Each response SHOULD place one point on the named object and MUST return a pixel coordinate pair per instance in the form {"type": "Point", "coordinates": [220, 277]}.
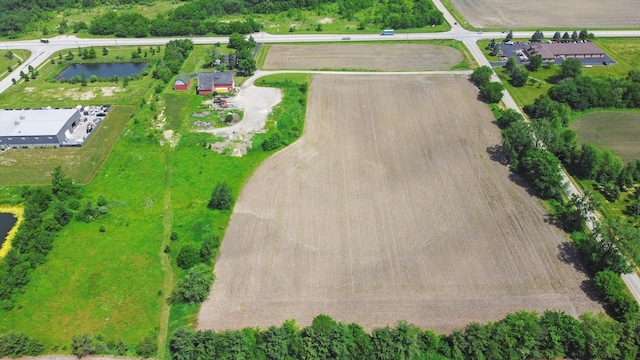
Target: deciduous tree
{"type": "Point", "coordinates": [221, 198]}
{"type": "Point", "coordinates": [492, 92]}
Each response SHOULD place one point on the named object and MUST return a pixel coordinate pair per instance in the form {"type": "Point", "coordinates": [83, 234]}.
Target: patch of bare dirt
{"type": "Point", "coordinates": [390, 207]}
{"type": "Point", "coordinates": [110, 90]}
{"type": "Point", "coordinates": [76, 94]}
{"type": "Point", "coordinates": [171, 138]}
{"type": "Point", "coordinates": [387, 57]}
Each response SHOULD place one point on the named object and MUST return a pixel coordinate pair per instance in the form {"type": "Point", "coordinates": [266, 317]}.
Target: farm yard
{"type": "Point", "coordinates": [616, 131]}
{"type": "Point", "coordinates": [384, 57]}
{"type": "Point", "coordinates": [392, 206]}
{"type": "Point", "coordinates": [548, 14]}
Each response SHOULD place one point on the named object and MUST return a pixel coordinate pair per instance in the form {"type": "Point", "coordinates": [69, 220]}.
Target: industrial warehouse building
{"type": "Point", "coordinates": [37, 127]}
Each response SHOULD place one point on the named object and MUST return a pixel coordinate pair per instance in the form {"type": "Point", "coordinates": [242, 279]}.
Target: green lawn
{"type": "Point", "coordinates": [536, 85]}
{"type": "Point", "coordinates": [625, 51]}
{"type": "Point", "coordinates": [6, 60]}
{"type": "Point", "coordinates": [618, 131]}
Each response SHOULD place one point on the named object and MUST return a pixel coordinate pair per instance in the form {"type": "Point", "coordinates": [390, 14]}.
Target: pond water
{"type": "Point", "coordinates": [6, 223]}
{"type": "Point", "coordinates": [102, 70]}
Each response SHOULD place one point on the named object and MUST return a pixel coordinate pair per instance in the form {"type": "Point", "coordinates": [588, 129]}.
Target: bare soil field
{"type": "Point", "coordinates": [549, 13]}
{"type": "Point", "coordinates": [386, 57]}
{"type": "Point", "coordinates": [390, 207]}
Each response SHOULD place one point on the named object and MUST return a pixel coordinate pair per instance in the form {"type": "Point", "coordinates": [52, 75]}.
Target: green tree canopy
{"type": "Point", "coordinates": [492, 92]}
{"type": "Point", "coordinates": [221, 198]}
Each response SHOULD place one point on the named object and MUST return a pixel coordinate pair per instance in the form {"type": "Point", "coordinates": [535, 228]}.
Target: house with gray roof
{"type": "Point", "coordinates": [550, 52]}
{"type": "Point", "coordinates": [219, 81]}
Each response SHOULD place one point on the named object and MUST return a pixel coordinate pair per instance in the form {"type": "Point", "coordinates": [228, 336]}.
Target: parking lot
{"type": "Point", "coordinates": [90, 118]}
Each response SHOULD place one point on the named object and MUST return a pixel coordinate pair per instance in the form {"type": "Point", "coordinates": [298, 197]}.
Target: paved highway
{"type": "Point", "coordinates": [40, 52]}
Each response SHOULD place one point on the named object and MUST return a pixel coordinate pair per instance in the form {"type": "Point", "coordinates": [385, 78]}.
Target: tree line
{"type": "Point", "coordinates": [201, 17]}
{"type": "Point", "coordinates": [535, 151]}
{"type": "Point", "coordinates": [520, 335]}
{"type": "Point", "coordinates": [175, 54]}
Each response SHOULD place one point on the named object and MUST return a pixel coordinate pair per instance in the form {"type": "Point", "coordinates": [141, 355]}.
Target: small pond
{"type": "Point", "coordinates": [6, 223]}
{"type": "Point", "coordinates": [102, 70]}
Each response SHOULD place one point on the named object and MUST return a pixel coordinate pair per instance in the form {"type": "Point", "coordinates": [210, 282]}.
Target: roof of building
{"type": "Point", "coordinates": [183, 78]}
{"type": "Point", "coordinates": [206, 80]}
{"type": "Point", "coordinates": [554, 50]}
{"type": "Point", "coordinates": [37, 122]}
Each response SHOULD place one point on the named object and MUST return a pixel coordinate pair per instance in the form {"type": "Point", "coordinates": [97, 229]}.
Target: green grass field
{"type": "Point", "coordinates": [618, 131]}
{"type": "Point", "coordinates": [19, 56]}
{"type": "Point", "coordinates": [103, 282]}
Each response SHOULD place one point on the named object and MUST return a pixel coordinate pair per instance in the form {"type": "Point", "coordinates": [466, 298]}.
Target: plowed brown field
{"type": "Point", "coordinates": [389, 208]}
{"type": "Point", "coordinates": [387, 57]}
{"type": "Point", "coordinates": [582, 14]}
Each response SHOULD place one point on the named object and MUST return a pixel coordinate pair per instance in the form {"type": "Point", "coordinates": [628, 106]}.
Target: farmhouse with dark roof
{"type": "Point", "coordinates": [209, 82]}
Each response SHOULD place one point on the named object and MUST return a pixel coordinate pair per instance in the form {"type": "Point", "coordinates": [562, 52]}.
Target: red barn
{"type": "Point", "coordinates": [209, 82]}
{"type": "Point", "coordinates": [182, 82]}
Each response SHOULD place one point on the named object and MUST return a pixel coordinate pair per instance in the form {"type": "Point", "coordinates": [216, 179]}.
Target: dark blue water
{"type": "Point", "coordinates": [6, 223]}
{"type": "Point", "coordinates": [103, 70]}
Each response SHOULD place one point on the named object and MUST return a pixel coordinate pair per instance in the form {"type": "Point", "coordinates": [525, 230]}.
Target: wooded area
{"type": "Point", "coordinates": [201, 17]}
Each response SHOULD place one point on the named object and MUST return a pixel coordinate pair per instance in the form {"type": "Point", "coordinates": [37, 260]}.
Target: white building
{"type": "Point", "coordinates": [36, 127]}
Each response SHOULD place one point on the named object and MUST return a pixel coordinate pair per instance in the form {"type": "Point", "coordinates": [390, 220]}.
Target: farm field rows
{"type": "Point", "coordinates": [548, 13]}
{"type": "Point", "coordinates": [386, 57]}
{"type": "Point", "coordinates": [612, 130]}
{"type": "Point", "coordinates": [391, 207]}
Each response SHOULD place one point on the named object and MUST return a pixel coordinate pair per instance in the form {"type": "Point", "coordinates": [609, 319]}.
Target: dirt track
{"type": "Point", "coordinates": [390, 208]}
{"type": "Point", "coordinates": [582, 14]}
{"type": "Point", "coordinates": [387, 57]}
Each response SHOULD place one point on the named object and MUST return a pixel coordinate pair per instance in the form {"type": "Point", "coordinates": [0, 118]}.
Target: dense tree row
{"type": "Point", "coordinates": [17, 344]}
{"type": "Point", "coordinates": [583, 92]}
{"type": "Point", "coordinates": [176, 53]}
{"type": "Point", "coordinates": [522, 335]}
{"type": "Point", "coordinates": [398, 14]}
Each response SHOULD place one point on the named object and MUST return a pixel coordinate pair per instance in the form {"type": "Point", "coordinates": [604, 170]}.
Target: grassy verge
{"type": "Point", "coordinates": [262, 55]}
{"type": "Point", "coordinates": [469, 62]}
{"type": "Point", "coordinates": [456, 15]}
{"type": "Point", "coordinates": [534, 87]}
{"type": "Point", "coordinates": [18, 57]}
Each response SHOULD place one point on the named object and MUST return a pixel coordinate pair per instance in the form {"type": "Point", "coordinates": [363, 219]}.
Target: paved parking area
{"type": "Point", "coordinates": [90, 118]}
